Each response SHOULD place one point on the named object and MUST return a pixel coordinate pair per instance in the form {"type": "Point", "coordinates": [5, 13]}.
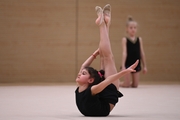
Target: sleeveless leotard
{"type": "Point", "coordinates": [133, 53]}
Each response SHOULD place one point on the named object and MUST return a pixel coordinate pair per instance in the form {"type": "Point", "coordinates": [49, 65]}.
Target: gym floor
{"type": "Point", "coordinates": [57, 102]}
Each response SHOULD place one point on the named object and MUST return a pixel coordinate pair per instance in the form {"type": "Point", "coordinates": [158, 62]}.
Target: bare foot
{"type": "Point", "coordinates": [124, 85]}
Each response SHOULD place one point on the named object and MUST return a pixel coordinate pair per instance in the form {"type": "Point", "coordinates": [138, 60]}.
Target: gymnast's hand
{"type": "Point", "coordinates": [96, 53]}
{"type": "Point", "coordinates": [133, 66]}
{"type": "Point", "coordinates": [144, 70]}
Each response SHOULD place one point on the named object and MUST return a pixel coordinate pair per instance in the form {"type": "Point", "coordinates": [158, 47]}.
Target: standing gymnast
{"type": "Point", "coordinates": [132, 50]}
{"type": "Point", "coordinates": [97, 92]}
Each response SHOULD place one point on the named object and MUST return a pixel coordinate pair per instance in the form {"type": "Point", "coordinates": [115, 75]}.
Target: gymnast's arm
{"type": "Point", "coordinates": [124, 52]}
{"type": "Point", "coordinates": [101, 86]}
{"type": "Point", "coordinates": [89, 60]}
{"type": "Point", "coordinates": [143, 58]}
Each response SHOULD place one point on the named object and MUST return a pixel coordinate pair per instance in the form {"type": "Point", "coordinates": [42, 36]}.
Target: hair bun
{"type": "Point", "coordinates": [102, 72]}
{"type": "Point", "coordinates": [130, 18]}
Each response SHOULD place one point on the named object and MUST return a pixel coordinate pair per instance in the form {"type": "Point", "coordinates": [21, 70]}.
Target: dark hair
{"type": "Point", "coordinates": [97, 75]}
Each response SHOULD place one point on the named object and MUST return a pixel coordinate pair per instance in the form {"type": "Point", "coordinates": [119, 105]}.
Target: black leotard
{"type": "Point", "coordinates": [97, 105]}
{"type": "Point", "coordinates": [133, 53]}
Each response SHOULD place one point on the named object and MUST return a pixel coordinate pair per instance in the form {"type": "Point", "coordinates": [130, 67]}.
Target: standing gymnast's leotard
{"type": "Point", "coordinates": [133, 53]}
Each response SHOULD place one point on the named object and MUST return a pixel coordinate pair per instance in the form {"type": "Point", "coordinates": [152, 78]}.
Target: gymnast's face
{"type": "Point", "coordinates": [132, 28]}
{"type": "Point", "coordinates": [83, 77]}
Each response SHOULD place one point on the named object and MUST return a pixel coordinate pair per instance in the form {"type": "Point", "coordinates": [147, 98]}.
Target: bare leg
{"type": "Point", "coordinates": [102, 63]}
{"type": "Point", "coordinates": [105, 50]}
{"type": "Point", "coordinates": [127, 81]}
{"type": "Point", "coordinates": [135, 79]}
{"type": "Point", "coordinates": [107, 17]}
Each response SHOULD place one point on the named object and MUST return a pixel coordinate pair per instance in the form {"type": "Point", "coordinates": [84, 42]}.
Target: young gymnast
{"type": "Point", "coordinates": [132, 50]}
{"type": "Point", "coordinates": [97, 92]}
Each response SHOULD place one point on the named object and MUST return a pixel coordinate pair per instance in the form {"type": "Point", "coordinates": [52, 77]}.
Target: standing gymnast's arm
{"type": "Point", "coordinates": [143, 58]}
{"type": "Point", "coordinates": [99, 87]}
{"type": "Point", "coordinates": [124, 53]}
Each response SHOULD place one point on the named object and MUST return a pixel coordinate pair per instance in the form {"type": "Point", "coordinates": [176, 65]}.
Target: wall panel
{"type": "Point", "coordinates": [37, 40]}
{"type": "Point", "coordinates": [47, 41]}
